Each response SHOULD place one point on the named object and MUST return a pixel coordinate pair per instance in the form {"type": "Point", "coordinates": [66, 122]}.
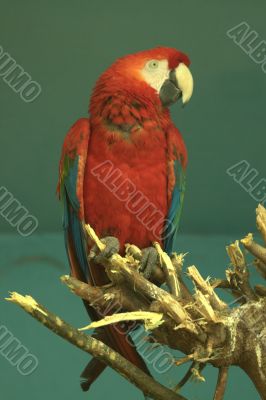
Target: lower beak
{"type": "Point", "coordinates": [178, 85]}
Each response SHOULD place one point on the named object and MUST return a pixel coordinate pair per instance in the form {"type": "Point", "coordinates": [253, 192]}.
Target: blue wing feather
{"type": "Point", "coordinates": [77, 234]}
{"type": "Point", "coordinates": [71, 221]}
{"type": "Point", "coordinates": [70, 183]}
{"type": "Point", "coordinates": [173, 217]}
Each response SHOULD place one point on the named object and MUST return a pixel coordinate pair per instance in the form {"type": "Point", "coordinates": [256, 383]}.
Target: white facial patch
{"type": "Point", "coordinates": [155, 73]}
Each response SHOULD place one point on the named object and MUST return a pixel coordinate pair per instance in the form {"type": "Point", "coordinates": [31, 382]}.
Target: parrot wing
{"type": "Point", "coordinates": [177, 159]}
{"type": "Point", "coordinates": [70, 190]}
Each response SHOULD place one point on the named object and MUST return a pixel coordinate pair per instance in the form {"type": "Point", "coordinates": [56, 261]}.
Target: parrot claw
{"type": "Point", "coordinates": [111, 248]}
{"type": "Point", "coordinates": [149, 261]}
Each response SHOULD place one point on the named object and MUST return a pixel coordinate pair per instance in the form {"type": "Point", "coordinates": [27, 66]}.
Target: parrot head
{"type": "Point", "coordinates": [159, 75]}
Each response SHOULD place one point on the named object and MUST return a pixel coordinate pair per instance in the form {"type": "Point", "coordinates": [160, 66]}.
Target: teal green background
{"type": "Point", "coordinates": [65, 45]}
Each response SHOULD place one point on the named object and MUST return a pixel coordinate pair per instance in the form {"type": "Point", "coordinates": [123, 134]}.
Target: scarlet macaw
{"type": "Point", "coordinates": [123, 170]}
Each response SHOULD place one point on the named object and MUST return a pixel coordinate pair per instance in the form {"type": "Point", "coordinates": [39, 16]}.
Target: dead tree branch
{"type": "Point", "coordinates": [197, 322]}
{"type": "Point", "coordinates": [221, 383]}
{"type": "Point", "coordinates": [94, 347]}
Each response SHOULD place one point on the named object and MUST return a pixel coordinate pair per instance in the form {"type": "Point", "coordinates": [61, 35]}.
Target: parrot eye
{"type": "Point", "coordinates": [153, 64]}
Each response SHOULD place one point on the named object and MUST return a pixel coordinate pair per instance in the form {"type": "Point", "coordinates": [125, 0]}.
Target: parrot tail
{"type": "Point", "coordinates": [113, 336]}
{"type": "Point", "coordinates": [91, 373]}
{"type": "Point", "coordinates": [123, 345]}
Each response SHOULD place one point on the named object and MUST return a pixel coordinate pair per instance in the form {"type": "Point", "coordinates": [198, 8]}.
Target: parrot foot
{"type": "Point", "coordinates": [149, 262]}
{"type": "Point", "coordinates": [112, 247]}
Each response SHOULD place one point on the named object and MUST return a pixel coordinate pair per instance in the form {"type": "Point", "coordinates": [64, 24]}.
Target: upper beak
{"type": "Point", "coordinates": [184, 81]}
{"type": "Point", "coordinates": [179, 84]}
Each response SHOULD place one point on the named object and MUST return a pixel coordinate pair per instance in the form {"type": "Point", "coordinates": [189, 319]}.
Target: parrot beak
{"type": "Point", "coordinates": [179, 85]}
{"type": "Point", "coordinates": [184, 81]}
